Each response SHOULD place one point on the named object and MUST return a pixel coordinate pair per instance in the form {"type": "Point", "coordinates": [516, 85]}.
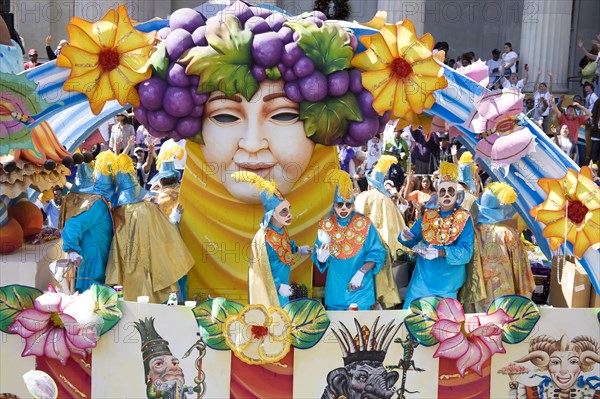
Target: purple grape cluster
{"type": "Point", "coordinates": [173, 108]}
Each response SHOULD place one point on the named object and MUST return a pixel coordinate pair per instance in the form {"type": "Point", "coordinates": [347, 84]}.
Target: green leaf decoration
{"type": "Point", "coordinates": [273, 73]}
{"type": "Point", "coordinates": [106, 305]}
{"type": "Point", "coordinates": [525, 315]}
{"type": "Point", "coordinates": [309, 322]}
{"type": "Point", "coordinates": [226, 63]}
{"type": "Point", "coordinates": [13, 300]}
{"type": "Point", "coordinates": [160, 61]}
{"type": "Point", "coordinates": [328, 120]}
{"type": "Point", "coordinates": [328, 47]}
{"type": "Point", "coordinates": [210, 316]}
{"type": "Point", "coordinates": [422, 319]}
{"type": "Point", "coordinates": [20, 95]}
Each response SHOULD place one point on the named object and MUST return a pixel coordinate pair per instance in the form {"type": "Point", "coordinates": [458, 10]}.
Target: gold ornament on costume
{"type": "Point", "coordinates": [342, 180]}
{"type": "Point", "coordinates": [443, 231]}
{"type": "Point", "coordinates": [282, 246]}
{"type": "Point", "coordinates": [107, 59]}
{"type": "Point", "coordinates": [347, 241]}
{"type": "Point", "coordinates": [448, 171]}
{"type": "Point", "coordinates": [571, 211]}
{"type": "Point", "coordinates": [400, 71]}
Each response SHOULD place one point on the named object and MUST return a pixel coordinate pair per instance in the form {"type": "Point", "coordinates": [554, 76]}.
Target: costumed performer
{"type": "Point", "coordinates": [377, 205]}
{"type": "Point", "coordinates": [506, 267]}
{"type": "Point", "coordinates": [87, 230]}
{"type": "Point", "coordinates": [147, 256]}
{"type": "Point", "coordinates": [443, 241]}
{"type": "Point", "coordinates": [272, 253]}
{"type": "Point", "coordinates": [349, 248]}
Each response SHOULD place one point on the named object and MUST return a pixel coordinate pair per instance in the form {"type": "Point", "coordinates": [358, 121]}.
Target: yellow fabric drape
{"type": "Point", "coordinates": [218, 229]}
{"type": "Point", "coordinates": [385, 216]}
{"type": "Point", "coordinates": [261, 286]}
{"type": "Point", "coordinates": [147, 255]}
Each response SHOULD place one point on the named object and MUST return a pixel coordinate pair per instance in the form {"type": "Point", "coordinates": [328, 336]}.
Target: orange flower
{"type": "Point", "coordinates": [571, 211]}
{"type": "Point", "coordinates": [107, 59]}
{"type": "Point", "coordinates": [400, 71]}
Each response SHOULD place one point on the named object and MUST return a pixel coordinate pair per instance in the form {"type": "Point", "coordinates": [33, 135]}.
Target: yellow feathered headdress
{"type": "Point", "coordinates": [504, 192]}
{"type": "Point", "coordinates": [343, 182]}
{"type": "Point", "coordinates": [104, 163]}
{"type": "Point", "coordinates": [448, 171]}
{"type": "Point", "coordinates": [123, 164]}
{"type": "Point", "coordinates": [269, 193]}
{"type": "Point", "coordinates": [175, 152]}
{"type": "Point", "coordinates": [384, 163]}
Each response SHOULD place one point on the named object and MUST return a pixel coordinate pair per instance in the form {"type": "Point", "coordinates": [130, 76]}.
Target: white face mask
{"type": "Point", "coordinates": [447, 195]}
{"type": "Point", "coordinates": [283, 214]}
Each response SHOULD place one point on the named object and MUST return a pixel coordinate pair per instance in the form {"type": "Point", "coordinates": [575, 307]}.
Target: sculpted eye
{"type": "Point", "coordinates": [362, 378]}
{"type": "Point", "coordinates": [286, 116]}
{"type": "Point", "coordinates": [225, 118]}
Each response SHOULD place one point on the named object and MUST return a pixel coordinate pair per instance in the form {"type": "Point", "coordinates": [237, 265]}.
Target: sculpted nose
{"type": "Point", "coordinates": [254, 140]}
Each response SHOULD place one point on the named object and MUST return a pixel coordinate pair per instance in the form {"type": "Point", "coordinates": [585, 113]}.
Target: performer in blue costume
{"type": "Point", "coordinates": [443, 241]}
{"type": "Point", "coordinates": [88, 228]}
{"type": "Point", "coordinates": [272, 253]}
{"type": "Point", "coordinates": [349, 247]}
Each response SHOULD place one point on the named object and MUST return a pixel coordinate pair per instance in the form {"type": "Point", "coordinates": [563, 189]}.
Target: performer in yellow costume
{"type": "Point", "coordinates": [147, 256]}
{"type": "Point", "coordinates": [504, 259]}
{"type": "Point", "coordinates": [272, 253]}
{"type": "Point", "coordinates": [376, 204]}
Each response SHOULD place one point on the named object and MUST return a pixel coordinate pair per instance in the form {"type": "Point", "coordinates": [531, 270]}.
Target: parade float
{"type": "Point", "coordinates": [200, 77]}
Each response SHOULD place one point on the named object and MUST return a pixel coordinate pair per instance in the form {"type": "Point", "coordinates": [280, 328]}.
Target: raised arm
{"type": "Point", "coordinates": [555, 108]}
{"type": "Point", "coordinates": [526, 78]}
{"type": "Point", "coordinates": [586, 111]}
{"type": "Point", "coordinates": [550, 75]}
{"type": "Point", "coordinates": [584, 50]}
{"type": "Point", "coordinates": [537, 79]}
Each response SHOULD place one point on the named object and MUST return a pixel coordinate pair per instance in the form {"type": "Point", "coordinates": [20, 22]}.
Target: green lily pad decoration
{"type": "Point", "coordinates": [159, 61]}
{"type": "Point", "coordinates": [422, 319]}
{"type": "Point", "coordinates": [525, 315]}
{"type": "Point", "coordinates": [328, 47]}
{"type": "Point", "coordinates": [210, 316]}
{"type": "Point", "coordinates": [226, 63]}
{"type": "Point", "coordinates": [106, 305]}
{"type": "Point", "coordinates": [328, 120]}
{"type": "Point", "coordinates": [309, 322]}
{"type": "Point", "coordinates": [13, 300]}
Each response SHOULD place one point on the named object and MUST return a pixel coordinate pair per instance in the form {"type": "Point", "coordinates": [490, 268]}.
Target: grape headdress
{"type": "Point", "coordinates": [241, 46]}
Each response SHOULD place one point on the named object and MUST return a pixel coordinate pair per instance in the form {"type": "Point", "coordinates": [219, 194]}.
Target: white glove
{"type": "Point", "coordinates": [175, 215]}
{"type": "Point", "coordinates": [304, 250]}
{"type": "Point", "coordinates": [406, 234]}
{"type": "Point", "coordinates": [74, 258]}
{"type": "Point", "coordinates": [322, 253]}
{"type": "Point", "coordinates": [402, 155]}
{"type": "Point", "coordinates": [430, 253]}
{"type": "Point", "coordinates": [285, 290]}
{"type": "Point", "coordinates": [356, 281]}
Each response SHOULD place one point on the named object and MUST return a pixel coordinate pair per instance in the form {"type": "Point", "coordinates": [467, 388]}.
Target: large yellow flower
{"type": "Point", "coordinates": [400, 71]}
{"type": "Point", "coordinates": [107, 59]}
{"type": "Point", "coordinates": [258, 335]}
{"type": "Point", "coordinates": [571, 210]}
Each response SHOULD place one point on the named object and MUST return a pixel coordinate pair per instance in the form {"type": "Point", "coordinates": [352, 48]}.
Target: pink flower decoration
{"type": "Point", "coordinates": [55, 327]}
{"type": "Point", "coordinates": [470, 342]}
{"type": "Point", "coordinates": [478, 71]}
{"type": "Point", "coordinates": [503, 140]}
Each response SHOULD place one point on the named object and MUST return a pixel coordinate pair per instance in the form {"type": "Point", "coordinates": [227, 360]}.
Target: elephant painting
{"type": "Point", "coordinates": [363, 375]}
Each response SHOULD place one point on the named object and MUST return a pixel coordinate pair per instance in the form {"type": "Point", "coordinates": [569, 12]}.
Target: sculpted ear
{"type": "Point", "coordinates": [339, 381]}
